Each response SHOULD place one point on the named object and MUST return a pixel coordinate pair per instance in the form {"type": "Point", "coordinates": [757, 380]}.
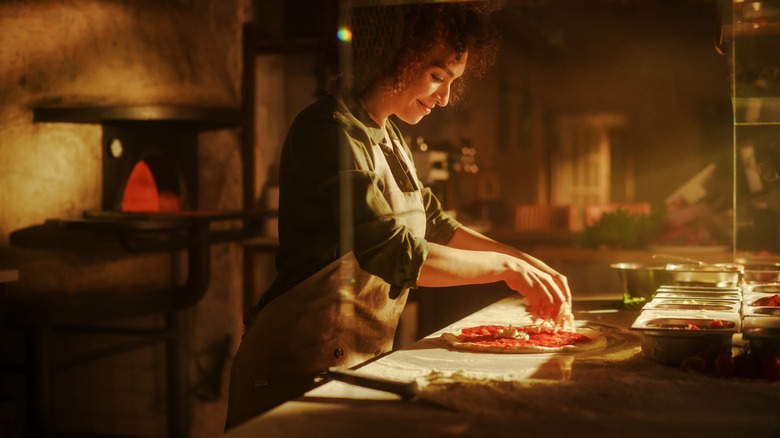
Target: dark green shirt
{"type": "Point", "coordinates": [311, 176]}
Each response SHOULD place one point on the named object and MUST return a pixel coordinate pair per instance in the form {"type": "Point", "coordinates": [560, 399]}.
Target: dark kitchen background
{"type": "Point", "coordinates": [595, 107]}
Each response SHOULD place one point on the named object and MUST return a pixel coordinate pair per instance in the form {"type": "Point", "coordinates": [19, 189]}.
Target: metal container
{"type": "Point", "coordinates": [640, 281]}
{"type": "Point", "coordinates": [762, 311]}
{"type": "Point", "coordinates": [699, 294]}
{"type": "Point", "coordinates": [760, 304]}
{"type": "Point", "coordinates": [678, 288]}
{"type": "Point", "coordinates": [714, 275]}
{"type": "Point", "coordinates": [690, 305]}
{"type": "Point", "coordinates": [768, 288]}
{"type": "Point", "coordinates": [761, 273]}
{"type": "Point", "coordinates": [762, 333]}
{"type": "Point", "coordinates": [669, 337]}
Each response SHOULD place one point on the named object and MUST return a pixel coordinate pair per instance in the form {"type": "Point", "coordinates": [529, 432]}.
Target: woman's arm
{"type": "Point", "coordinates": [472, 258]}
{"type": "Point", "coordinates": [466, 238]}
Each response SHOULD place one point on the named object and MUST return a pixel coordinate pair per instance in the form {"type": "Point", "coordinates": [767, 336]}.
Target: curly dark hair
{"type": "Point", "coordinates": [392, 42]}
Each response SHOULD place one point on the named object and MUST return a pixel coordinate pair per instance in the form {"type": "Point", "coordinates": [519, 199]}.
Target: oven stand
{"type": "Point", "coordinates": [44, 315]}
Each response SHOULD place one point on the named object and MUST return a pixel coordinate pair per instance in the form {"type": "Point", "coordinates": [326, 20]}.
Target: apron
{"type": "Point", "coordinates": [341, 316]}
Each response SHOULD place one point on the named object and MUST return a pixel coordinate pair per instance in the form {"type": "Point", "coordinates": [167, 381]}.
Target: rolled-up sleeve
{"type": "Point", "coordinates": [440, 226]}
{"type": "Point", "coordinates": [382, 246]}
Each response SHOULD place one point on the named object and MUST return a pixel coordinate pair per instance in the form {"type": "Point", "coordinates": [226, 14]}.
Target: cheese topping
{"type": "Point", "coordinates": [512, 333]}
{"type": "Point", "coordinates": [563, 321]}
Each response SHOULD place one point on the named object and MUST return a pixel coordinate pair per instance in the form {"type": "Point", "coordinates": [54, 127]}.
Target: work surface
{"type": "Point", "coordinates": [612, 392]}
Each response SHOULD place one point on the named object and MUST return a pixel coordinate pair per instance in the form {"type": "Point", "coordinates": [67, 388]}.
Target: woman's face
{"type": "Point", "coordinates": [429, 87]}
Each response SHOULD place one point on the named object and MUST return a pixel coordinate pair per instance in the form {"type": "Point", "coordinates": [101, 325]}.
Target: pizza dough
{"type": "Point", "coordinates": [524, 339]}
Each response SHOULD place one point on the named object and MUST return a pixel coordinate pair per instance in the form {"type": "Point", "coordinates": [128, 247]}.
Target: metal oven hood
{"type": "Point", "coordinates": [199, 118]}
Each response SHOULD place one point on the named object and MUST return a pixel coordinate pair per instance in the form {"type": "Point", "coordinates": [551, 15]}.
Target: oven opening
{"type": "Point", "coordinates": [149, 168]}
{"type": "Point", "coordinates": [153, 186]}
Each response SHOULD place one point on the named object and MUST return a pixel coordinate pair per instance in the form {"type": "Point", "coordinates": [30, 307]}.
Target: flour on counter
{"type": "Point", "coordinates": [608, 397]}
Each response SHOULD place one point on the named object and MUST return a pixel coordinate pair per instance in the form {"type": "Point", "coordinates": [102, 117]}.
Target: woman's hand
{"type": "Point", "coordinates": [537, 276]}
{"type": "Point", "coordinates": [471, 258]}
{"type": "Point", "coordinates": [546, 291]}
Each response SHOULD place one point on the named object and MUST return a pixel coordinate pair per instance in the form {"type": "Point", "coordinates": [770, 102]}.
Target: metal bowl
{"type": "Point", "coordinates": [670, 337]}
{"type": "Point", "coordinates": [673, 348]}
{"type": "Point", "coordinates": [640, 281]}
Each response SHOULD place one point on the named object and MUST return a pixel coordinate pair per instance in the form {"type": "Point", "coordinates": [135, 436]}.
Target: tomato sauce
{"type": "Point", "coordinates": [489, 335]}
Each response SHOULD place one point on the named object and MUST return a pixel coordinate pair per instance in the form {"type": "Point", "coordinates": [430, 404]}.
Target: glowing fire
{"type": "Point", "coordinates": [142, 195]}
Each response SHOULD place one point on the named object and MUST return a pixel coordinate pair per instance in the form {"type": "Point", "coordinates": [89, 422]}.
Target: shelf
{"type": "Point", "coordinates": [205, 118]}
{"type": "Point", "coordinates": [286, 47]}
{"type": "Point", "coordinates": [752, 29]}
{"type": "Point", "coordinates": [751, 111]}
{"type": "Point", "coordinates": [262, 243]}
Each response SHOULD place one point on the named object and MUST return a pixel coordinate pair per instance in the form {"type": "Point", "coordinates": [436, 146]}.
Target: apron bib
{"type": "Point", "coordinates": [340, 316]}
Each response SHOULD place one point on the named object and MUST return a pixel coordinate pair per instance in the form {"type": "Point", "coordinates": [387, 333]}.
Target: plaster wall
{"type": "Point", "coordinates": [95, 53]}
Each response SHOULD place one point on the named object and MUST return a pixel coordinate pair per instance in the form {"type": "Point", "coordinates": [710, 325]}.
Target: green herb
{"type": "Point", "coordinates": [622, 230]}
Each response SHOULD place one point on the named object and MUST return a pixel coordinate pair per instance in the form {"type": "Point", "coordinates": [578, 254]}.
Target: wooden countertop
{"type": "Point", "coordinates": [612, 393]}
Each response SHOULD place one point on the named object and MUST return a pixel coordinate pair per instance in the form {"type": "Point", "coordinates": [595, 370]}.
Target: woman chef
{"type": "Point", "coordinates": [339, 294]}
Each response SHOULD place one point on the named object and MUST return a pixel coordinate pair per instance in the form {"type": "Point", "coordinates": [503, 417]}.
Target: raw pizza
{"type": "Point", "coordinates": [523, 339]}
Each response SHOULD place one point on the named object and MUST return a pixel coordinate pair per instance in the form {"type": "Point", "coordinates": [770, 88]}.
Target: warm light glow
{"type": "Point", "coordinates": [116, 148]}
{"type": "Point", "coordinates": [150, 188]}
{"type": "Point", "coordinates": [344, 34]}
{"type": "Point", "coordinates": [141, 190]}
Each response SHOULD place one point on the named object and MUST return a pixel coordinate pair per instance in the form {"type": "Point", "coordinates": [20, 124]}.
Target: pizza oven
{"type": "Point", "coordinates": [149, 168]}
{"type": "Point", "coordinates": [149, 153]}
{"type": "Point", "coordinates": [124, 271]}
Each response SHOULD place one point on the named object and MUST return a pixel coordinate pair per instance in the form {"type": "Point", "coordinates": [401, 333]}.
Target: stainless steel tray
{"type": "Point", "coordinates": [761, 331]}
{"type": "Point", "coordinates": [691, 305]}
{"type": "Point", "coordinates": [687, 324]}
{"type": "Point", "coordinates": [714, 275]}
{"type": "Point", "coordinates": [683, 288]}
{"type": "Point", "coordinates": [730, 296]}
{"type": "Point", "coordinates": [765, 288]}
